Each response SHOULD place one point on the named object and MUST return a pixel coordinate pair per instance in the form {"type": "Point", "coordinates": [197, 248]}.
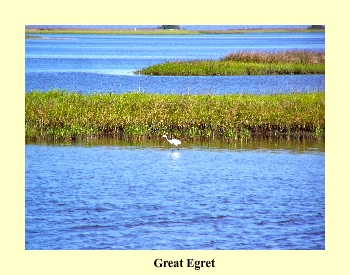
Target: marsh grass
{"type": "Point", "coordinates": [113, 31]}
{"type": "Point", "coordinates": [33, 37]}
{"type": "Point", "coordinates": [285, 57]}
{"type": "Point", "coordinates": [245, 63]}
{"type": "Point", "coordinates": [61, 115]}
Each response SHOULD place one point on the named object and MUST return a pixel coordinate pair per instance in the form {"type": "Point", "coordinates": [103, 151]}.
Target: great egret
{"type": "Point", "coordinates": [173, 141]}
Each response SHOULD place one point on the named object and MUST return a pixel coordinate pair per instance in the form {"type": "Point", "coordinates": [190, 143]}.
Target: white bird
{"type": "Point", "coordinates": [173, 141]}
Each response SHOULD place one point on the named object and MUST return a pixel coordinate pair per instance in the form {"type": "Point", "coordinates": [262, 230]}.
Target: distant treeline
{"type": "Point", "coordinates": [316, 27]}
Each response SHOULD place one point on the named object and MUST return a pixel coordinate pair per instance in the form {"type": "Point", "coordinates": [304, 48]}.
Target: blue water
{"type": "Point", "coordinates": [153, 197]}
{"type": "Point", "coordinates": [105, 63]}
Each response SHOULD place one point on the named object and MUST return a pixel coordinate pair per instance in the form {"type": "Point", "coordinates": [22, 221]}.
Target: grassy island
{"type": "Point", "coordinates": [62, 115]}
{"type": "Point", "coordinates": [245, 63]}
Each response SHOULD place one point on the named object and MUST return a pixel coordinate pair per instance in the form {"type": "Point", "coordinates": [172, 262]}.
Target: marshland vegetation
{"type": "Point", "coordinates": [245, 63]}
{"type": "Point", "coordinates": [110, 31]}
{"type": "Point", "coordinates": [63, 115]}
{"type": "Point", "coordinates": [159, 31]}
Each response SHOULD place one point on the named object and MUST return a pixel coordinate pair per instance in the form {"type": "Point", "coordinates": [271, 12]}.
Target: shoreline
{"type": "Point", "coordinates": [161, 32]}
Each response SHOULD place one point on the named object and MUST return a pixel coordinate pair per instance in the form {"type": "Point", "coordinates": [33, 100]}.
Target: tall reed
{"type": "Point", "coordinates": [59, 115]}
{"type": "Point", "coordinates": [289, 56]}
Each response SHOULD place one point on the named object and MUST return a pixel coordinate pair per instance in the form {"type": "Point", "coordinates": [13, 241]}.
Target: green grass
{"type": "Point", "coordinates": [33, 37]}
{"type": "Point", "coordinates": [61, 115]}
{"type": "Point", "coordinates": [245, 63]}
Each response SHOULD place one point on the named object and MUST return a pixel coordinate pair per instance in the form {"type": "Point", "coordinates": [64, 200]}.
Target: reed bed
{"type": "Point", "coordinates": [62, 115]}
{"type": "Point", "coordinates": [245, 63]}
{"type": "Point", "coordinates": [288, 57]}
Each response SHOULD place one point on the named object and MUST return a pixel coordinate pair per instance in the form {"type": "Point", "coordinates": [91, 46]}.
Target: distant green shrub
{"type": "Point", "coordinates": [169, 27]}
{"type": "Point", "coordinates": [316, 27]}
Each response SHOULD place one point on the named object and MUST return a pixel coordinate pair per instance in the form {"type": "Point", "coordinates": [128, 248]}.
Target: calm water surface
{"type": "Point", "coordinates": [104, 63]}
{"type": "Point", "coordinates": [147, 196]}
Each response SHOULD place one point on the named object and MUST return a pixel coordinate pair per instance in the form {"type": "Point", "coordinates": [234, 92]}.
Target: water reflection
{"type": "Point", "coordinates": [297, 146]}
{"type": "Point", "coordinates": [175, 155]}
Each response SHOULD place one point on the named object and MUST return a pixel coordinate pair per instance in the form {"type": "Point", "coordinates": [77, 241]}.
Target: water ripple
{"type": "Point", "coordinates": [97, 198]}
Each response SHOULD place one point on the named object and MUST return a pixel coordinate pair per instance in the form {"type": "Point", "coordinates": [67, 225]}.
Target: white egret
{"type": "Point", "coordinates": [173, 141]}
